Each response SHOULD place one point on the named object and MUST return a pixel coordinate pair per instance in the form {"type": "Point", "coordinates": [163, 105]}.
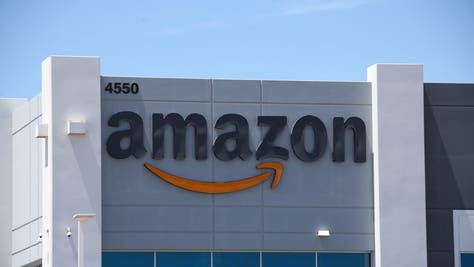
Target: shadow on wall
{"type": "Point", "coordinates": [449, 166]}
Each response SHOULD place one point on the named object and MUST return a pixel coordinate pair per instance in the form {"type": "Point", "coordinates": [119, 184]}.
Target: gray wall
{"type": "Point", "coordinates": [449, 153]}
{"type": "Point", "coordinates": [26, 187]}
{"type": "Point", "coordinates": [140, 211]}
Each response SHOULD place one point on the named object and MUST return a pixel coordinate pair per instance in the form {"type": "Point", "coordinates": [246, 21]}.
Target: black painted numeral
{"type": "Point", "coordinates": [134, 88]}
{"type": "Point", "coordinates": [108, 88]}
{"type": "Point", "coordinates": [122, 88]}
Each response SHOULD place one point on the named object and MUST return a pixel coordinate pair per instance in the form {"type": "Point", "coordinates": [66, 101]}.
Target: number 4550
{"type": "Point", "coordinates": [122, 88]}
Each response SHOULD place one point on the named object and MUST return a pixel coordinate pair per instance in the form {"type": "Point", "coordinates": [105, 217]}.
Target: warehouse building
{"type": "Point", "coordinates": [156, 172]}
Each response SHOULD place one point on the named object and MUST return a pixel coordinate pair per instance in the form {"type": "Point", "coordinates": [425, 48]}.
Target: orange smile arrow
{"type": "Point", "coordinates": [221, 187]}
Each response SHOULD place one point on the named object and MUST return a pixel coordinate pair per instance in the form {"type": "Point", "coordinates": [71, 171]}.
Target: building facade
{"type": "Point", "coordinates": [146, 172]}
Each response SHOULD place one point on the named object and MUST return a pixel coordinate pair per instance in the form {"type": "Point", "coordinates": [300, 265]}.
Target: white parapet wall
{"type": "Point", "coordinates": [7, 106]}
{"type": "Point", "coordinates": [399, 166]}
{"type": "Point", "coordinates": [72, 168]}
{"type": "Point", "coordinates": [26, 180]}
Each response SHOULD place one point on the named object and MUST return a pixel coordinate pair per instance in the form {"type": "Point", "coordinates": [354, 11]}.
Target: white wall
{"type": "Point", "coordinates": [72, 169]}
{"type": "Point", "coordinates": [6, 108]}
{"type": "Point", "coordinates": [399, 165]}
{"type": "Point", "coordinates": [26, 181]}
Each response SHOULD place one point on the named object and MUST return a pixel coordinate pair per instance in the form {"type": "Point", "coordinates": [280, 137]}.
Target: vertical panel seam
{"type": "Point", "coordinates": [212, 171]}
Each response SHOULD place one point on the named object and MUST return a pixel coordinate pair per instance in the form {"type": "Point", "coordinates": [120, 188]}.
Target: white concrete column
{"type": "Point", "coordinates": [72, 167]}
{"type": "Point", "coordinates": [399, 165]}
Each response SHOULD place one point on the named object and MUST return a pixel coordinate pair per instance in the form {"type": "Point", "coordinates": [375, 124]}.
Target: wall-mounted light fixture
{"type": "Point", "coordinates": [76, 128]}
{"type": "Point", "coordinates": [68, 232]}
{"type": "Point", "coordinates": [41, 130]}
{"type": "Point", "coordinates": [323, 233]}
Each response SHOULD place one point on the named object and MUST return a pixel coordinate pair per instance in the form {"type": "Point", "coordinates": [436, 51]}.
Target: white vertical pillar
{"type": "Point", "coordinates": [72, 167]}
{"type": "Point", "coordinates": [80, 244]}
{"type": "Point", "coordinates": [81, 219]}
{"type": "Point", "coordinates": [399, 166]}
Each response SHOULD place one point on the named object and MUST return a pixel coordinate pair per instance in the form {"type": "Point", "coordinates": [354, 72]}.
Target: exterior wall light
{"type": "Point", "coordinates": [68, 232]}
{"type": "Point", "coordinates": [41, 130]}
{"type": "Point", "coordinates": [76, 128]}
{"type": "Point", "coordinates": [323, 233]}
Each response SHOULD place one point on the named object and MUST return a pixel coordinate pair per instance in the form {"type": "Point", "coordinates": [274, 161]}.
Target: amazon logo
{"type": "Point", "coordinates": [239, 136]}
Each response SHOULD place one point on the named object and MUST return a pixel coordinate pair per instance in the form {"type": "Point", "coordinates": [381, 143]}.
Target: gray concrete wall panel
{"type": "Point", "coordinates": [236, 91]}
{"type": "Point", "coordinates": [142, 211]}
{"type": "Point", "coordinates": [332, 184]}
{"type": "Point", "coordinates": [152, 89]}
{"type": "Point", "coordinates": [138, 188]}
{"type": "Point", "coordinates": [238, 219]}
{"type": "Point", "coordinates": [158, 219]}
{"type": "Point", "coordinates": [237, 241]}
{"type": "Point", "coordinates": [158, 241]}
{"type": "Point", "coordinates": [302, 220]}
{"type": "Point", "coordinates": [306, 92]}
{"type": "Point", "coordinates": [337, 242]}
{"type": "Point", "coordinates": [238, 169]}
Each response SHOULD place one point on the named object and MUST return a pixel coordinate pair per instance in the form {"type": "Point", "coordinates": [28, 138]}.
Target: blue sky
{"type": "Point", "coordinates": [279, 39]}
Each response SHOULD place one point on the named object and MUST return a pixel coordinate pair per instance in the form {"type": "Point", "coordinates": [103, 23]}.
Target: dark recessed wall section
{"type": "Point", "coordinates": [449, 163]}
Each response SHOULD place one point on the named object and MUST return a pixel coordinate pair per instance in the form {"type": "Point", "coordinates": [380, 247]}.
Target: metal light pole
{"type": "Point", "coordinates": [81, 218]}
